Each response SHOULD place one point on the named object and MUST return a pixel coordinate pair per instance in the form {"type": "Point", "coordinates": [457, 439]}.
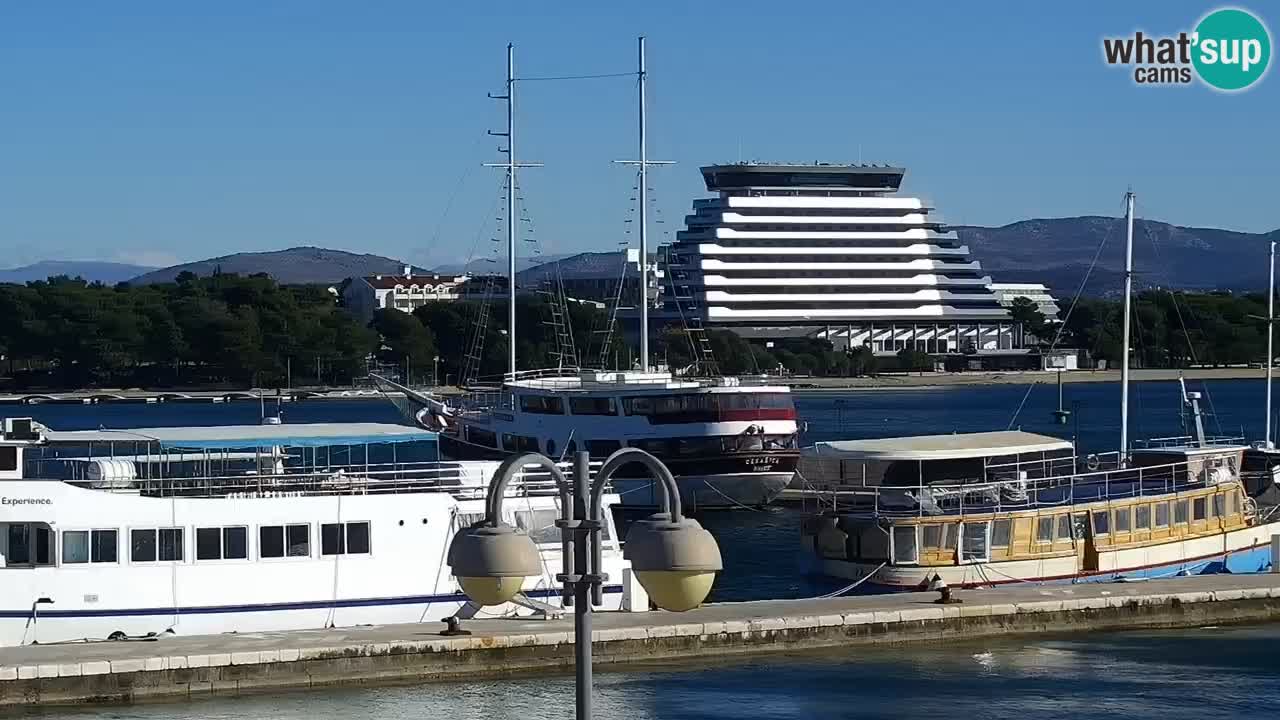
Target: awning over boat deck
{"type": "Point", "coordinates": [940, 447]}
{"type": "Point", "coordinates": [244, 436]}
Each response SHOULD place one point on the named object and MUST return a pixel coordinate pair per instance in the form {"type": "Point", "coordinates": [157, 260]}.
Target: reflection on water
{"type": "Point", "coordinates": [1196, 675]}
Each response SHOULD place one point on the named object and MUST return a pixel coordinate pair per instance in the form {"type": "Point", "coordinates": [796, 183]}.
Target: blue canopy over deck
{"type": "Point", "coordinates": [245, 436]}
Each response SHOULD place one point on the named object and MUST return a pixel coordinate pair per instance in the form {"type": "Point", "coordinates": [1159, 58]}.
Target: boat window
{"type": "Point", "coordinates": [542, 404]}
{"type": "Point", "coordinates": [974, 543]}
{"type": "Point", "coordinates": [1180, 512]}
{"type": "Point", "coordinates": [235, 543]}
{"type": "Point", "coordinates": [602, 448]}
{"type": "Point", "coordinates": [703, 407]}
{"type": "Point", "coordinates": [904, 544]}
{"type": "Point", "coordinates": [593, 406]}
{"type": "Point", "coordinates": [8, 458]}
{"type": "Point", "coordinates": [519, 443]}
{"type": "Point", "coordinates": [540, 524]}
{"type": "Point", "coordinates": [1198, 508]}
{"type": "Point", "coordinates": [142, 544]}
{"type": "Point", "coordinates": [1101, 522]}
{"type": "Point", "coordinates": [344, 538]}
{"type": "Point", "coordinates": [104, 546]}
{"type": "Point", "coordinates": [1121, 519]}
{"type": "Point", "coordinates": [1219, 508]}
{"type": "Point", "coordinates": [1000, 530]}
{"type": "Point", "coordinates": [638, 405]}
{"type": "Point", "coordinates": [931, 537]}
{"type": "Point", "coordinates": [18, 550]}
{"type": "Point", "coordinates": [1142, 517]}
{"type": "Point", "coordinates": [222, 543]}
{"type": "Point", "coordinates": [1162, 514]}
{"type": "Point", "coordinates": [1044, 528]}
{"type": "Point", "coordinates": [275, 541]}
{"type": "Point", "coordinates": [1064, 526]}
{"type": "Point", "coordinates": [151, 545]}
{"type": "Point", "coordinates": [1233, 502]}
{"type": "Point", "coordinates": [298, 539]}
{"type": "Point", "coordinates": [75, 547]}
{"type": "Point", "coordinates": [953, 536]}
{"type": "Point", "coordinates": [480, 436]}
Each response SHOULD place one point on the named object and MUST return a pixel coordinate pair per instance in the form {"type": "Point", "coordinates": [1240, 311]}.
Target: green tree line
{"type": "Point", "coordinates": [233, 330]}
{"type": "Point", "coordinates": [1168, 329]}
{"type": "Point", "coordinates": [223, 329]}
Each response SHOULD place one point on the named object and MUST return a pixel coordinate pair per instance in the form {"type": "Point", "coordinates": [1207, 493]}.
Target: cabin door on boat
{"type": "Point", "coordinates": [1082, 536]}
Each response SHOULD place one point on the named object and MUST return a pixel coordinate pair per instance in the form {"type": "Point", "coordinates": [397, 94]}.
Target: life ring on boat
{"type": "Point", "coordinates": [1091, 461]}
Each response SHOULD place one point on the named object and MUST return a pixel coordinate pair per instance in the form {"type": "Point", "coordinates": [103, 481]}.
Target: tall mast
{"type": "Point", "coordinates": [1124, 354]}
{"type": "Point", "coordinates": [1271, 318]}
{"type": "Point", "coordinates": [510, 165]}
{"type": "Point", "coordinates": [511, 210]}
{"type": "Point", "coordinates": [644, 162]}
{"type": "Point", "coordinates": [644, 222]}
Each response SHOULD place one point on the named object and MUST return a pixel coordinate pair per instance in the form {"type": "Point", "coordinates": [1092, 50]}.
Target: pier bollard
{"type": "Point", "coordinates": [634, 597]}
{"type": "Point", "coordinates": [1275, 553]}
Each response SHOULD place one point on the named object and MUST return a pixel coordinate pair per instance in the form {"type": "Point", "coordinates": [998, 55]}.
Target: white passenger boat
{"type": "Point", "coordinates": [128, 533]}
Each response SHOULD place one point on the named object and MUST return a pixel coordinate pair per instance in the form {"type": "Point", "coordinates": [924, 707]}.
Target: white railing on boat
{"type": "Point", "coordinates": [1185, 441]}
{"type": "Point", "coordinates": [1020, 494]}
{"type": "Point", "coordinates": [460, 479]}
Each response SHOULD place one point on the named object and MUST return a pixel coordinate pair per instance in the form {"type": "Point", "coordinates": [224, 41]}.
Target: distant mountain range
{"type": "Point", "coordinates": [93, 271]}
{"type": "Point", "coordinates": [1058, 251]}
{"type": "Point", "coordinates": [295, 266]}
{"type": "Point", "coordinates": [1053, 251]}
{"type": "Point", "coordinates": [486, 266]}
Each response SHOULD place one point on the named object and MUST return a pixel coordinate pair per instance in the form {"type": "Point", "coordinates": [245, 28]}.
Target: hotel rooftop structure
{"type": "Point", "coordinates": [829, 251]}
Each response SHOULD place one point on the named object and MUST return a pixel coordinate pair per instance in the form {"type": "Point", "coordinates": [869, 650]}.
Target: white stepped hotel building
{"type": "Point", "coordinates": [829, 251]}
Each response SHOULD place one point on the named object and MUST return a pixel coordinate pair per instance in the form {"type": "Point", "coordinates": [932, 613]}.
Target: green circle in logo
{"type": "Point", "coordinates": [1232, 49]}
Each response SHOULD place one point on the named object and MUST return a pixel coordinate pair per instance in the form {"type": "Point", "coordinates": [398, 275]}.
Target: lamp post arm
{"type": "Point", "coordinates": [666, 481]}
{"type": "Point", "coordinates": [508, 470]}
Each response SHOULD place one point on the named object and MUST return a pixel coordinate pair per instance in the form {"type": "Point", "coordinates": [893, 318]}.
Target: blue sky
{"type": "Point", "coordinates": [159, 131]}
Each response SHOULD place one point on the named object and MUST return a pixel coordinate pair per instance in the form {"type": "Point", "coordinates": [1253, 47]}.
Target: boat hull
{"type": "Point", "coordinates": [22, 627]}
{"type": "Point", "coordinates": [1241, 551]}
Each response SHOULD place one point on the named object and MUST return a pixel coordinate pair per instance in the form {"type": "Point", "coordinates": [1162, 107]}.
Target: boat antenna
{"type": "Point", "coordinates": [644, 162]}
{"type": "Point", "coordinates": [510, 165]}
{"type": "Point", "coordinates": [1124, 352]}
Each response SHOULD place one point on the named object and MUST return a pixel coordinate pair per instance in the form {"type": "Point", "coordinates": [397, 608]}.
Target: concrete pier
{"type": "Point", "coordinates": [179, 667]}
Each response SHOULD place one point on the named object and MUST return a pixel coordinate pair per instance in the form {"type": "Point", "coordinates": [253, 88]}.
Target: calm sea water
{"type": "Point", "coordinates": [759, 547]}
{"type": "Point", "coordinates": [1198, 674]}
{"type": "Point", "coordinates": [1171, 675]}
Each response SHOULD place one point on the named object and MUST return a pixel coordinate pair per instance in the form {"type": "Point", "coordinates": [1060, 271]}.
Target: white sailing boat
{"type": "Point", "coordinates": [728, 443]}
